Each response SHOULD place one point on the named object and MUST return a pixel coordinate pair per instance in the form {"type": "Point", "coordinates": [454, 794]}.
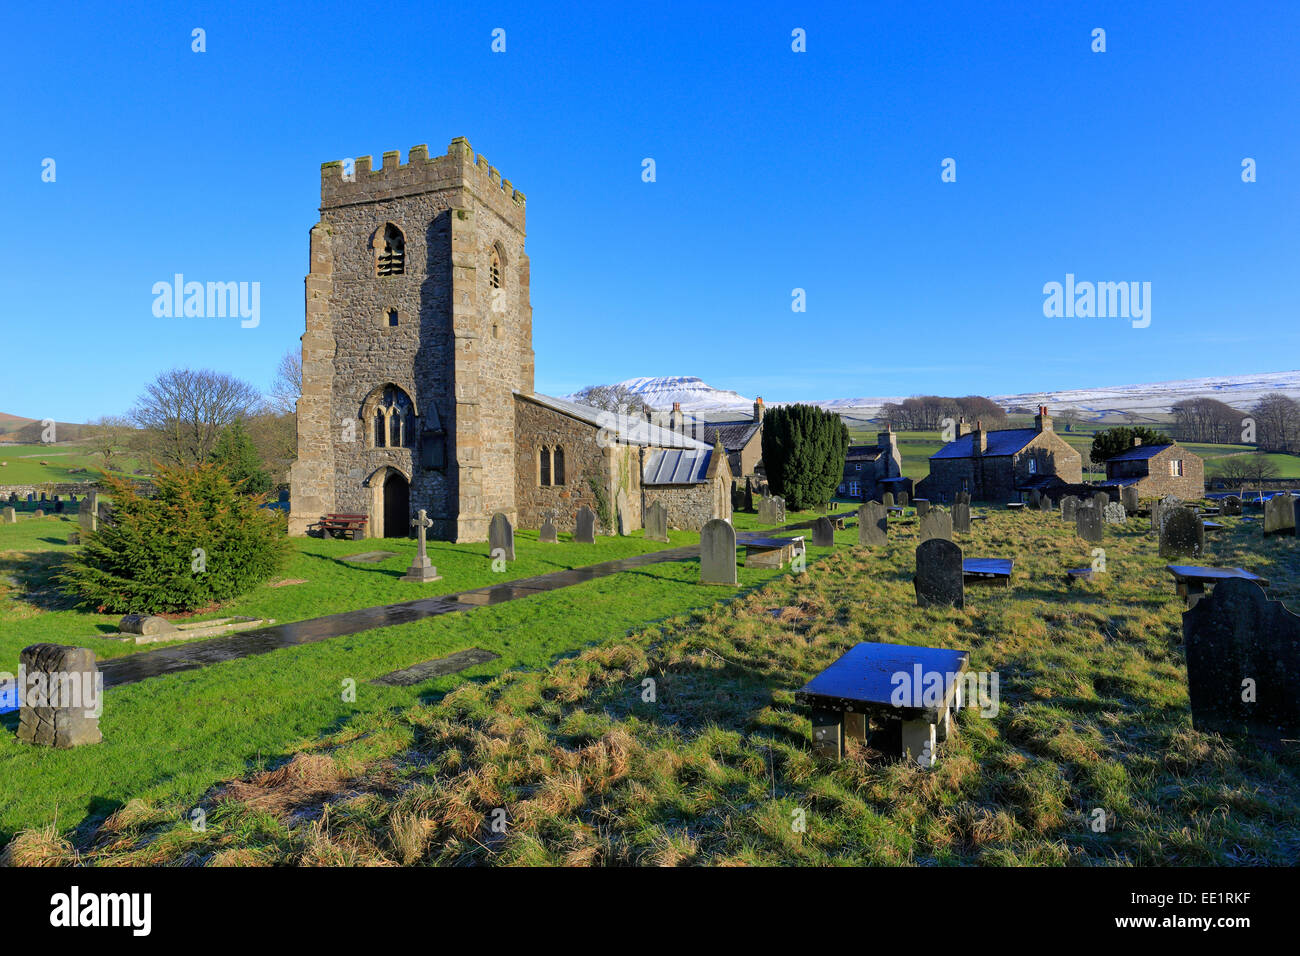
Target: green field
{"type": "Point", "coordinates": [22, 464]}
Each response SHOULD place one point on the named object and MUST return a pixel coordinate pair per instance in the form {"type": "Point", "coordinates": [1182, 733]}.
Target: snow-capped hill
{"type": "Point", "coordinates": [694, 394]}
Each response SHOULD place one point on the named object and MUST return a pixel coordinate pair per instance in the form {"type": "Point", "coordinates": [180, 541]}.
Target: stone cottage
{"type": "Point", "coordinates": [741, 438]}
{"type": "Point", "coordinates": [872, 470]}
{"type": "Point", "coordinates": [1158, 470]}
{"type": "Point", "coordinates": [417, 368]}
{"type": "Point", "coordinates": [999, 465]}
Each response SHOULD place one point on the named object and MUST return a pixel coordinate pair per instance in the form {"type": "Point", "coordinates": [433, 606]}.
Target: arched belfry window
{"type": "Point", "coordinates": [390, 416]}
{"type": "Point", "coordinates": [390, 251]}
{"type": "Point", "coordinates": [495, 270]}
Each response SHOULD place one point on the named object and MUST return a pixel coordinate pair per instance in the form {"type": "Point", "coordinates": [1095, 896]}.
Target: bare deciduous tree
{"type": "Point", "coordinates": [612, 398]}
{"type": "Point", "coordinates": [287, 386]}
{"type": "Point", "coordinates": [184, 410]}
{"type": "Point", "coordinates": [110, 437]}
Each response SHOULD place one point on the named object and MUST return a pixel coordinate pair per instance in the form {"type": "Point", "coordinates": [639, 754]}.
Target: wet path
{"type": "Point", "coordinates": [183, 657]}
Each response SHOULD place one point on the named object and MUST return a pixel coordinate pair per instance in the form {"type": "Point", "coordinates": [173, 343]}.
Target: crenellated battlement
{"type": "Point", "coordinates": [420, 173]}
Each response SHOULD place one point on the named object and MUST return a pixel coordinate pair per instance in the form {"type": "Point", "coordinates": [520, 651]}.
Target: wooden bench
{"type": "Point", "coordinates": [867, 680]}
{"type": "Point", "coordinates": [335, 525]}
{"type": "Point", "coordinates": [987, 571]}
{"type": "Point", "coordinates": [763, 552]}
{"type": "Point", "coordinates": [1190, 580]}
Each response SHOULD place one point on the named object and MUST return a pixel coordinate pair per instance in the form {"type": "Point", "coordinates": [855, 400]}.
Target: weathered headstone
{"type": "Point", "coordinates": [421, 569]}
{"type": "Point", "coordinates": [40, 513]}
{"type": "Point", "coordinates": [59, 696]}
{"type": "Point", "coordinates": [766, 510]}
{"type": "Point", "coordinates": [147, 625]}
{"type": "Point", "coordinates": [902, 498]}
{"type": "Point", "coordinates": [501, 537]}
{"type": "Point", "coordinates": [873, 525]}
{"type": "Point", "coordinates": [1087, 524]}
{"type": "Point", "coordinates": [585, 527]}
{"type": "Point", "coordinates": [936, 524]}
{"type": "Point", "coordinates": [749, 497]}
{"type": "Point", "coordinates": [939, 580]}
{"type": "Point", "coordinates": [718, 553]}
{"type": "Point", "coordinates": [1035, 500]}
{"type": "Point", "coordinates": [1230, 505]}
{"type": "Point", "coordinates": [961, 517]}
{"type": "Point", "coordinates": [1128, 497]}
{"type": "Point", "coordinates": [922, 507]}
{"type": "Point", "coordinates": [1100, 500]}
{"type": "Point", "coordinates": [887, 499]}
{"type": "Point", "coordinates": [547, 534]}
{"type": "Point", "coordinates": [1237, 635]}
{"type": "Point", "coordinates": [1182, 533]}
{"type": "Point", "coordinates": [823, 533]}
{"type": "Point", "coordinates": [11, 516]}
{"type": "Point", "coordinates": [623, 513]}
{"type": "Point", "coordinates": [1279, 514]}
{"type": "Point", "coordinates": [88, 513]}
{"type": "Point", "coordinates": [1045, 502]}
{"type": "Point", "coordinates": [656, 521]}
{"type": "Point", "coordinates": [963, 498]}
{"type": "Point", "coordinates": [1114, 513]}
{"type": "Point", "coordinates": [1069, 507]}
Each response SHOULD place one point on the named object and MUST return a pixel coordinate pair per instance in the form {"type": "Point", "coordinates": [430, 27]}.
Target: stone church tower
{"type": "Point", "coordinates": [419, 332]}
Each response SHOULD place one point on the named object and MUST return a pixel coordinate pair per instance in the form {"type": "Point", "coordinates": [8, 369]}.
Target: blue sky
{"type": "Point", "coordinates": [776, 170]}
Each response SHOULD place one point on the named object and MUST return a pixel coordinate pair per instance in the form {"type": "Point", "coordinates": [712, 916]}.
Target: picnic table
{"type": "Point", "coordinates": [987, 570]}
{"type": "Point", "coordinates": [1190, 580]}
{"type": "Point", "coordinates": [334, 525]}
{"type": "Point", "coordinates": [865, 683]}
{"type": "Point", "coordinates": [765, 552]}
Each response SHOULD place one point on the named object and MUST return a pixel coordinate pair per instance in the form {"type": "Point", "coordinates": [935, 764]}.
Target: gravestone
{"type": "Point", "coordinates": [60, 696]}
{"type": "Point", "coordinates": [1114, 513]}
{"type": "Point", "coordinates": [778, 509]}
{"type": "Point", "coordinates": [623, 513]}
{"type": "Point", "coordinates": [902, 498]}
{"type": "Point", "coordinates": [1069, 507]}
{"type": "Point", "coordinates": [1035, 500]}
{"type": "Point", "coordinates": [1087, 524]}
{"type": "Point", "coordinates": [11, 516]}
{"type": "Point", "coordinates": [1230, 505]}
{"type": "Point", "coordinates": [961, 517]}
{"type": "Point", "coordinates": [887, 499]}
{"type": "Point", "coordinates": [421, 569]}
{"type": "Point", "coordinates": [963, 498]}
{"type": "Point", "coordinates": [936, 524]}
{"type": "Point", "coordinates": [1182, 533]}
{"type": "Point", "coordinates": [873, 525]}
{"type": "Point", "coordinates": [823, 533]}
{"type": "Point", "coordinates": [749, 498]}
{"type": "Point", "coordinates": [1128, 497]}
{"type": "Point", "coordinates": [718, 553]}
{"type": "Point", "coordinates": [547, 534]}
{"type": "Point", "coordinates": [766, 510]}
{"type": "Point", "coordinates": [922, 507]}
{"type": "Point", "coordinates": [585, 529]}
{"type": "Point", "coordinates": [939, 581]}
{"type": "Point", "coordinates": [1279, 514]}
{"type": "Point", "coordinates": [656, 522]}
{"type": "Point", "coordinates": [1100, 500]}
{"type": "Point", "coordinates": [501, 537]}
{"type": "Point", "coordinates": [1045, 502]}
{"type": "Point", "coordinates": [88, 513]}
{"type": "Point", "coordinates": [40, 513]}
{"type": "Point", "coordinates": [146, 625]}
{"type": "Point", "coordinates": [58, 505]}
{"type": "Point", "coordinates": [1235, 635]}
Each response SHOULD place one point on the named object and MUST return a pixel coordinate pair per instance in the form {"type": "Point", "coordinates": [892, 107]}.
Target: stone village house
{"type": "Point", "coordinates": [1002, 464]}
{"type": "Point", "coordinates": [872, 470]}
{"type": "Point", "coordinates": [741, 438]}
{"type": "Point", "coordinates": [417, 363]}
{"type": "Point", "coordinates": [1158, 470]}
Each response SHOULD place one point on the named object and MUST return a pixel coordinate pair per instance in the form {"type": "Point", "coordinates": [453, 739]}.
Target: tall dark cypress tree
{"type": "Point", "coordinates": [803, 454]}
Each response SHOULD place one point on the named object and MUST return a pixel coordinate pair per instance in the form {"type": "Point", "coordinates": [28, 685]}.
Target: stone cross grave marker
{"type": "Point", "coordinates": [873, 525]}
{"type": "Point", "coordinates": [961, 517]}
{"type": "Point", "coordinates": [421, 568]}
{"type": "Point", "coordinates": [1279, 514]}
{"type": "Point", "coordinates": [1087, 524]}
{"type": "Point", "coordinates": [939, 581]}
{"type": "Point", "coordinates": [585, 532]}
{"type": "Point", "coordinates": [936, 524]}
{"type": "Point", "coordinates": [1114, 513]}
{"type": "Point", "coordinates": [501, 536]}
{"type": "Point", "coordinates": [823, 533]}
{"type": "Point", "coordinates": [1182, 533]}
{"type": "Point", "coordinates": [60, 697]}
{"type": "Point", "coordinates": [718, 553]}
{"type": "Point", "coordinates": [547, 534]}
{"type": "Point", "coordinates": [1237, 635]}
{"type": "Point", "coordinates": [656, 522]}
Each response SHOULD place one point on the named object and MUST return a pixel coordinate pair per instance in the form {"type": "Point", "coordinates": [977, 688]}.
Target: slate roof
{"type": "Point", "coordinates": [677, 466]}
{"type": "Point", "coordinates": [862, 453]}
{"type": "Point", "coordinates": [1004, 441]}
{"type": "Point", "coordinates": [735, 435]}
{"type": "Point", "coordinates": [629, 430]}
{"type": "Point", "coordinates": [1140, 452]}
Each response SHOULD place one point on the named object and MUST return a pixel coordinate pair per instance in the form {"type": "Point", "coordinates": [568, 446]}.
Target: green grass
{"type": "Point", "coordinates": [24, 464]}
{"type": "Point", "coordinates": [1093, 714]}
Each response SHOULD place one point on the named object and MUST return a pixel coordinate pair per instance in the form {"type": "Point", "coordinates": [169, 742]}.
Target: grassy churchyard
{"type": "Point", "coordinates": [643, 718]}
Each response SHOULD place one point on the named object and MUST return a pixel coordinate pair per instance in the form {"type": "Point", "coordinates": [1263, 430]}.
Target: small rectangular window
{"type": "Point", "coordinates": [1176, 467]}
{"type": "Point", "coordinates": [392, 317]}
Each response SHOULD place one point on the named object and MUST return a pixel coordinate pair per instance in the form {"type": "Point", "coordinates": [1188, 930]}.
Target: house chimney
{"type": "Point", "coordinates": [758, 409]}
{"type": "Point", "coordinates": [963, 427]}
{"type": "Point", "coordinates": [887, 442]}
{"type": "Point", "coordinates": [675, 419]}
{"type": "Point", "coordinates": [1136, 442]}
{"type": "Point", "coordinates": [979, 442]}
{"type": "Point", "coordinates": [1042, 421]}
